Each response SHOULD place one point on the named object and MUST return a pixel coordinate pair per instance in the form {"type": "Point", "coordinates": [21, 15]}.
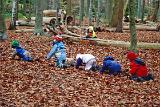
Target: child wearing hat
{"type": "Point", "coordinates": [110, 65]}
{"type": "Point", "coordinates": [138, 69]}
{"type": "Point", "coordinates": [87, 60]}
{"type": "Point", "coordinates": [90, 32]}
{"type": "Point", "coordinates": [58, 51]}
{"type": "Point", "coordinates": [20, 52]}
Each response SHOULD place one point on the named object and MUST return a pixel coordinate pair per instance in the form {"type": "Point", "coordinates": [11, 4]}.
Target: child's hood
{"type": "Point", "coordinates": [108, 58]}
{"type": "Point", "coordinates": [131, 55]}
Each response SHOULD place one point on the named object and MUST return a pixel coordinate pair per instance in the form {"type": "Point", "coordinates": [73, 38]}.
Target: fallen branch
{"type": "Point", "coordinates": [24, 30]}
{"type": "Point", "coordinates": [143, 28]}
{"type": "Point", "coordinates": [114, 43]}
{"type": "Point", "coordinates": [25, 23]}
{"type": "Point", "coordinates": [66, 31]}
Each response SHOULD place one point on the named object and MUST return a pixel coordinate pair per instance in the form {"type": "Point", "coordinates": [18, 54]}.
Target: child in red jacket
{"type": "Point", "coordinates": [138, 69]}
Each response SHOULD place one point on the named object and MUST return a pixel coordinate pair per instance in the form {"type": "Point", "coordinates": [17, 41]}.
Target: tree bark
{"type": "Point", "coordinates": [24, 7]}
{"type": "Point", "coordinates": [109, 11]}
{"type": "Point", "coordinates": [114, 19]}
{"type": "Point", "coordinates": [155, 12]}
{"type": "Point", "coordinates": [143, 6]}
{"type": "Point", "coordinates": [90, 12]}
{"type": "Point", "coordinates": [3, 35]}
{"type": "Point", "coordinates": [139, 10]}
{"type": "Point", "coordinates": [14, 14]}
{"type": "Point", "coordinates": [119, 27]}
{"type": "Point", "coordinates": [133, 38]}
{"type": "Point", "coordinates": [57, 8]}
{"type": "Point", "coordinates": [38, 30]}
{"type": "Point", "coordinates": [87, 8]}
{"type": "Point", "coordinates": [81, 12]}
{"type": "Point", "coordinates": [112, 42]}
{"type": "Point", "coordinates": [98, 13]}
{"type": "Point", "coordinates": [69, 7]}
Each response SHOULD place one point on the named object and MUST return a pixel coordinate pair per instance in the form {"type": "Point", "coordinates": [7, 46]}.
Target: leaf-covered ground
{"type": "Point", "coordinates": [37, 84]}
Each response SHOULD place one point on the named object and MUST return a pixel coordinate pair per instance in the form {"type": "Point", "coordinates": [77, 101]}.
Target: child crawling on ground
{"type": "Point", "coordinates": [17, 50]}
{"type": "Point", "coordinates": [138, 69]}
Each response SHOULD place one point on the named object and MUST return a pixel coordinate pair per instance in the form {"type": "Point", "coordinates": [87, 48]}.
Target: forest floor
{"type": "Point", "coordinates": [37, 84]}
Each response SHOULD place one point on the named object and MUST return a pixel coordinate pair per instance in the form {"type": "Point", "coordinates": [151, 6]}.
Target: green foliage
{"type": "Point", "coordinates": [20, 15]}
{"type": "Point", "coordinates": [8, 15]}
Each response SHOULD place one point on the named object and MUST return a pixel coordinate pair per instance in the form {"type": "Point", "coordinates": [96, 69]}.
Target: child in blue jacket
{"type": "Point", "coordinates": [111, 65]}
{"type": "Point", "coordinates": [20, 52]}
{"type": "Point", "coordinates": [58, 51]}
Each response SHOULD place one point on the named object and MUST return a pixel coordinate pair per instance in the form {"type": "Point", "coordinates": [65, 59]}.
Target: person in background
{"type": "Point", "coordinates": [20, 52]}
{"type": "Point", "coordinates": [110, 66]}
{"type": "Point", "coordinates": [58, 51]}
{"type": "Point", "coordinates": [91, 33]}
{"type": "Point", "coordinates": [138, 69]}
{"type": "Point", "coordinates": [86, 60]}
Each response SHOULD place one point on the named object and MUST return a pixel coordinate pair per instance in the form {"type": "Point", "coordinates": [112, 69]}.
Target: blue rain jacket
{"type": "Point", "coordinates": [22, 54]}
{"type": "Point", "coordinates": [112, 66]}
{"type": "Point", "coordinates": [58, 50]}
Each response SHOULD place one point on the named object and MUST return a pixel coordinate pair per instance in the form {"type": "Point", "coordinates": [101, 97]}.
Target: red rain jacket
{"type": "Point", "coordinates": [137, 67]}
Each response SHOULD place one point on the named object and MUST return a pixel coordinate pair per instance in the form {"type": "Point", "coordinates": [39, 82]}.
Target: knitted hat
{"type": "Point", "coordinates": [108, 58]}
{"type": "Point", "coordinates": [90, 28]}
{"type": "Point", "coordinates": [131, 55]}
{"type": "Point", "coordinates": [15, 43]}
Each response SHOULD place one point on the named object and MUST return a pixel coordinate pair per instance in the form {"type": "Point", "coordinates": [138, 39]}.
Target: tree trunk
{"type": "Point", "coordinates": [57, 8]}
{"type": "Point", "coordinates": [81, 12]}
{"type": "Point", "coordinates": [155, 12]}
{"type": "Point", "coordinates": [98, 13]}
{"type": "Point", "coordinates": [125, 5]}
{"type": "Point", "coordinates": [27, 9]}
{"type": "Point", "coordinates": [87, 9]}
{"type": "Point", "coordinates": [90, 12]}
{"type": "Point", "coordinates": [17, 7]}
{"type": "Point", "coordinates": [117, 16]}
{"type": "Point", "coordinates": [14, 14]}
{"type": "Point", "coordinates": [119, 27]}
{"type": "Point", "coordinates": [69, 7]}
{"type": "Point", "coordinates": [3, 35]}
{"type": "Point", "coordinates": [49, 6]}
{"type": "Point", "coordinates": [38, 30]}
{"type": "Point", "coordinates": [30, 8]}
{"type": "Point", "coordinates": [114, 20]}
{"type": "Point", "coordinates": [139, 11]}
{"type": "Point", "coordinates": [143, 6]}
{"type": "Point", "coordinates": [133, 37]}
{"type": "Point", "coordinates": [24, 7]}
{"type": "Point", "coordinates": [54, 4]}
{"type": "Point", "coordinates": [34, 7]}
{"type": "Point", "coordinates": [103, 42]}
{"type": "Point", "coordinates": [108, 11]}
{"type": "Point", "coordinates": [45, 5]}
{"type": "Point", "coordinates": [159, 14]}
